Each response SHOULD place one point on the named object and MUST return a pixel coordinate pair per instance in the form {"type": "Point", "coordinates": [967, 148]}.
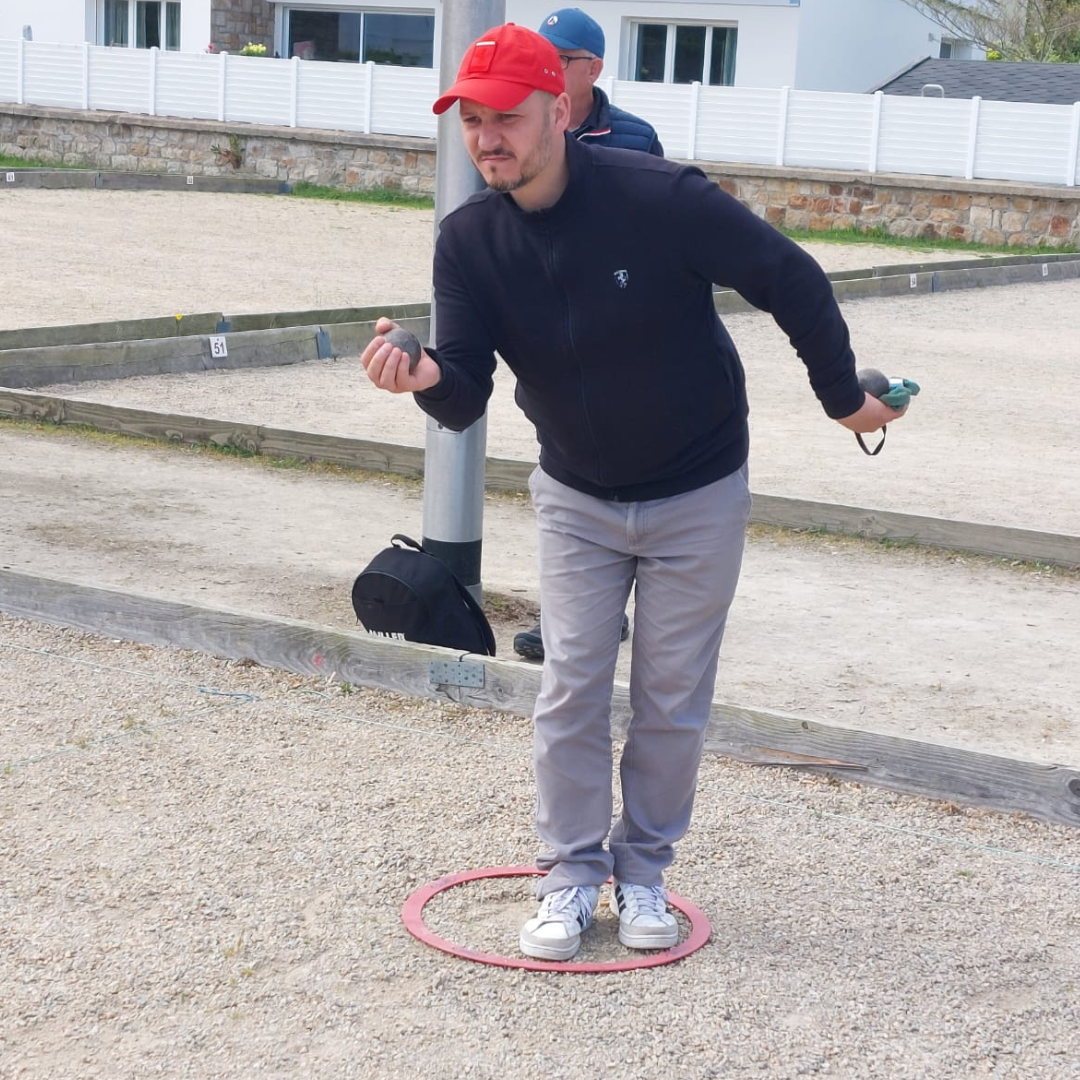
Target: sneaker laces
{"type": "Point", "coordinates": [563, 900]}
{"type": "Point", "coordinates": [644, 900]}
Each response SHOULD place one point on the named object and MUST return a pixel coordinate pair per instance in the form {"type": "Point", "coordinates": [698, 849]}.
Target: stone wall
{"type": "Point", "coordinates": [163, 144]}
{"type": "Point", "coordinates": [233, 23]}
{"type": "Point", "coordinates": [982, 211]}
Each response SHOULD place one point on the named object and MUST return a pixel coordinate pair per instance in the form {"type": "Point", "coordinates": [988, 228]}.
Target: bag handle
{"type": "Point", "coordinates": [481, 618]}
{"type": "Point", "coordinates": [406, 541]}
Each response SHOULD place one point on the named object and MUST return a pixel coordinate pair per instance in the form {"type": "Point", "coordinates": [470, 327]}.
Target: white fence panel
{"type": "Point", "coordinates": [1027, 143]}
{"type": "Point", "coordinates": [402, 99]}
{"type": "Point", "coordinates": [331, 95]}
{"type": "Point", "coordinates": [258, 90]}
{"type": "Point", "coordinates": [53, 74]}
{"type": "Point", "coordinates": [924, 135]}
{"type": "Point", "coordinates": [1024, 143]}
{"type": "Point", "coordinates": [666, 106]}
{"type": "Point", "coordinates": [120, 79]}
{"type": "Point", "coordinates": [736, 124]}
{"type": "Point", "coordinates": [831, 131]}
{"type": "Point", "coordinates": [187, 85]}
{"type": "Point", "coordinates": [9, 71]}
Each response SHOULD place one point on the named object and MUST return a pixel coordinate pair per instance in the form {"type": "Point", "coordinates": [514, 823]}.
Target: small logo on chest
{"type": "Point", "coordinates": [622, 278]}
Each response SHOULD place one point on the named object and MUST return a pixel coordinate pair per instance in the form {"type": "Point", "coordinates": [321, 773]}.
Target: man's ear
{"type": "Point", "coordinates": [596, 65]}
{"type": "Point", "coordinates": [562, 112]}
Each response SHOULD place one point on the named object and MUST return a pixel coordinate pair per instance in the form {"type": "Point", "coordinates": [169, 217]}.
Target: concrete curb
{"type": "Point", "coordinates": [157, 356]}
{"type": "Point", "coordinates": [59, 179]}
{"type": "Point", "coordinates": [40, 337]}
{"type": "Point", "coordinates": [32, 367]}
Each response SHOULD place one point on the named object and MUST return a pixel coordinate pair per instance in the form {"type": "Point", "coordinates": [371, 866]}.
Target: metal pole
{"type": "Point", "coordinates": [453, 525]}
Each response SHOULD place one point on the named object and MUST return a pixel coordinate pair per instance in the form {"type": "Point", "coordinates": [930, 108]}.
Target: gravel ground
{"type": "Point", "coordinates": [992, 363]}
{"type": "Point", "coordinates": [204, 863]}
{"type": "Point", "coordinates": [204, 866]}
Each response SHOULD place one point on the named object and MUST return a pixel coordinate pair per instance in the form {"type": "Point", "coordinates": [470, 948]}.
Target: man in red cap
{"type": "Point", "coordinates": [590, 270]}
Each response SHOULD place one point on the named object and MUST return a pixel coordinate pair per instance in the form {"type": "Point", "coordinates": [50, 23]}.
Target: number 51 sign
{"type": "Point", "coordinates": [218, 347]}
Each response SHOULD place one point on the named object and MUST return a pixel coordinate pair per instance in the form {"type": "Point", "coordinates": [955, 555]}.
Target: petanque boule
{"type": "Point", "coordinates": [873, 381]}
{"type": "Point", "coordinates": [408, 343]}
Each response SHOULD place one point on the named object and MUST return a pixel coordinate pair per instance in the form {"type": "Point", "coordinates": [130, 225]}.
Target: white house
{"type": "Point", "coordinates": [833, 45]}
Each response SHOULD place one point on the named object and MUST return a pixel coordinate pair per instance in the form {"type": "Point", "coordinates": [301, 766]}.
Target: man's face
{"type": "Point", "coordinates": [512, 147]}
{"type": "Point", "coordinates": [581, 71]}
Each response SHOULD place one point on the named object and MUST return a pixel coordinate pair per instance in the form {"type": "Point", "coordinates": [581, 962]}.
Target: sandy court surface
{"type": "Point", "coordinates": [204, 862]}
{"type": "Point", "coordinates": [87, 256]}
{"type": "Point", "coordinates": [815, 617]}
{"type": "Point", "coordinates": [982, 443]}
{"type": "Point", "coordinates": [900, 641]}
{"type": "Point", "coordinates": [992, 361]}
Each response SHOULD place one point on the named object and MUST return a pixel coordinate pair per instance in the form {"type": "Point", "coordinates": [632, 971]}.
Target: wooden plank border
{"type": "Point", "coordinates": [504, 474]}
{"type": "Point", "coordinates": [1045, 791]}
{"type": "Point", "coordinates": [847, 284]}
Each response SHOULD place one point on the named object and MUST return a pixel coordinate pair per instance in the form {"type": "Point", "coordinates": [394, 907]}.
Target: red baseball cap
{"type": "Point", "coordinates": [503, 67]}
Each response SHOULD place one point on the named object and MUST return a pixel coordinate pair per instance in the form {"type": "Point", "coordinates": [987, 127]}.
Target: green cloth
{"type": "Point", "coordinates": [901, 391]}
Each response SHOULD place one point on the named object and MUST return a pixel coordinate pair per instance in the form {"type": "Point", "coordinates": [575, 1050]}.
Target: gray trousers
{"type": "Point", "coordinates": [683, 554]}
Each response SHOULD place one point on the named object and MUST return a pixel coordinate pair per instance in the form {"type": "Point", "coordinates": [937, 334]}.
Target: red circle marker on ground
{"type": "Point", "coordinates": [412, 915]}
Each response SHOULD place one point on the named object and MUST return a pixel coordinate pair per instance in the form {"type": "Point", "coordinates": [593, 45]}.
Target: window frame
{"type": "Point", "coordinates": [672, 26]}
{"type": "Point", "coordinates": [132, 24]}
{"type": "Point", "coordinates": [288, 10]}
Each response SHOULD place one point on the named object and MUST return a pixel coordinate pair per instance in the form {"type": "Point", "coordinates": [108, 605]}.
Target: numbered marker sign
{"type": "Point", "coordinates": [11, 178]}
{"type": "Point", "coordinates": [218, 348]}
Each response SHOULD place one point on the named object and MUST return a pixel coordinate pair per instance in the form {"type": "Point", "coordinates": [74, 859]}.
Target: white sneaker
{"type": "Point", "coordinates": [555, 932]}
{"type": "Point", "coordinates": [644, 920]}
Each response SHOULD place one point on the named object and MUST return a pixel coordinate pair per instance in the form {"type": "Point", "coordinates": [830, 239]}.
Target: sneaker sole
{"type": "Point", "coordinates": [548, 950]}
{"type": "Point", "coordinates": [529, 651]}
{"type": "Point", "coordinates": [649, 939]}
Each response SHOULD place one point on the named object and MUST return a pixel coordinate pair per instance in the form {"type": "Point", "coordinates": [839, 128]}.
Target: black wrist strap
{"type": "Point", "coordinates": [877, 449]}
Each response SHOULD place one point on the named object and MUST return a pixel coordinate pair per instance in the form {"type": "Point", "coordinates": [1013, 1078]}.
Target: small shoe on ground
{"type": "Point", "coordinates": [644, 920]}
{"type": "Point", "coordinates": [554, 933]}
{"type": "Point", "coordinates": [530, 643]}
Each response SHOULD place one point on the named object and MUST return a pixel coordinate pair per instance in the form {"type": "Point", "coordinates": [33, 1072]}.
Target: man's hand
{"type": "Point", "coordinates": [388, 367]}
{"type": "Point", "coordinates": [873, 415]}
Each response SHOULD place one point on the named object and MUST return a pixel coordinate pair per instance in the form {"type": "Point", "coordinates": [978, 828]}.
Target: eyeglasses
{"type": "Point", "coordinates": [566, 61]}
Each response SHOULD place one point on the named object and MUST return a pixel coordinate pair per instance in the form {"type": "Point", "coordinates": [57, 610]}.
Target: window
{"type": "Point", "coordinates": [151, 24]}
{"type": "Point", "coordinates": [684, 53]}
{"type": "Point", "coordinates": [115, 23]}
{"type": "Point", "coordinates": [352, 36]}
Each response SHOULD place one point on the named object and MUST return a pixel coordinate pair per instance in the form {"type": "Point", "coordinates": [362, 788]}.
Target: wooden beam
{"type": "Point", "coordinates": [504, 474]}
{"type": "Point", "coordinates": [1047, 792]}
{"type": "Point", "coordinates": [1000, 541]}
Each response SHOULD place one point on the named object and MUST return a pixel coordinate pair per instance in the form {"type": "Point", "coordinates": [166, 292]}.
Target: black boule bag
{"type": "Point", "coordinates": [406, 593]}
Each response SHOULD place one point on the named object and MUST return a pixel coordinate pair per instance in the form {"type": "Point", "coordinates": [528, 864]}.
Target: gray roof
{"type": "Point", "coordinates": [995, 80]}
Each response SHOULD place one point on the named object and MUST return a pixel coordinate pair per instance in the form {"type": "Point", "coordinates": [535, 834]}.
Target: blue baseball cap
{"type": "Point", "coordinates": [571, 28]}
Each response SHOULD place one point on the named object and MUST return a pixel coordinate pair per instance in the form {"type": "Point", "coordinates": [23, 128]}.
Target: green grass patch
{"type": "Point", "coordinates": [9, 162]}
{"type": "Point", "coordinates": [878, 235]}
{"type": "Point", "coordinates": [381, 196]}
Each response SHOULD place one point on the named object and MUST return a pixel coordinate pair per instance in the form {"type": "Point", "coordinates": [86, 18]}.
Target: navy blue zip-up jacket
{"type": "Point", "coordinates": [602, 307]}
{"type": "Point", "coordinates": [608, 125]}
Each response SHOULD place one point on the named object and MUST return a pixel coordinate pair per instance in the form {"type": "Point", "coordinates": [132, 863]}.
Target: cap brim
{"type": "Point", "coordinates": [494, 93]}
{"type": "Point", "coordinates": [563, 43]}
